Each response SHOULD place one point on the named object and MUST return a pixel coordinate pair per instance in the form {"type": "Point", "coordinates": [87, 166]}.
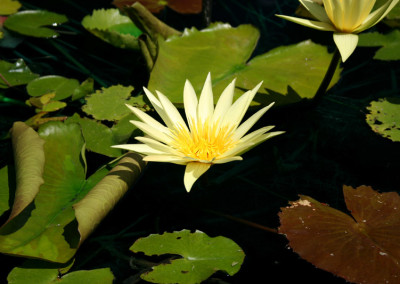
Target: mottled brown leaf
{"type": "Point", "coordinates": [364, 248]}
{"type": "Point", "coordinates": [155, 6]}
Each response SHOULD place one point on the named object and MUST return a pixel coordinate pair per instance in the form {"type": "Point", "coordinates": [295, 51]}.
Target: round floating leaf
{"type": "Point", "coordinates": [15, 74]}
{"type": "Point", "coordinates": [364, 248]}
{"type": "Point", "coordinates": [29, 275]}
{"type": "Point", "coordinates": [390, 43]}
{"type": "Point", "coordinates": [32, 22]}
{"type": "Point", "coordinates": [109, 103]}
{"type": "Point", "coordinates": [112, 27]}
{"type": "Point", "coordinates": [201, 255]}
{"type": "Point", "coordinates": [290, 73]}
{"type": "Point", "coordinates": [384, 118]}
{"type": "Point", "coordinates": [61, 86]}
{"type": "Point", "coordinates": [8, 7]}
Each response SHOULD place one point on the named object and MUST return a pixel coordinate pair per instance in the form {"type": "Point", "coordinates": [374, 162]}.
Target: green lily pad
{"type": "Point", "coordinates": [112, 27]}
{"type": "Point", "coordinates": [109, 103]}
{"type": "Point", "coordinates": [92, 130]}
{"type": "Point", "coordinates": [61, 86]}
{"type": "Point", "coordinates": [83, 90]}
{"type": "Point", "coordinates": [15, 74]}
{"type": "Point", "coordinates": [361, 248]}
{"type": "Point", "coordinates": [201, 255]}
{"type": "Point", "coordinates": [290, 73]}
{"type": "Point", "coordinates": [8, 7]}
{"type": "Point", "coordinates": [384, 118]}
{"type": "Point", "coordinates": [48, 275]}
{"type": "Point", "coordinates": [390, 44]}
{"type": "Point", "coordinates": [32, 22]}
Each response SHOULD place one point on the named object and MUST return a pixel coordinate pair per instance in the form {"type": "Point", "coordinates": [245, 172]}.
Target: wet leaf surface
{"type": "Point", "coordinates": [362, 248]}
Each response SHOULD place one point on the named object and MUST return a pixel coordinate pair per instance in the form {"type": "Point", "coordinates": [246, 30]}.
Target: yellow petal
{"type": "Point", "coordinates": [316, 10]}
{"type": "Point", "coordinates": [322, 26]}
{"type": "Point", "coordinates": [206, 101]}
{"type": "Point", "coordinates": [190, 103]}
{"type": "Point", "coordinates": [346, 43]}
{"type": "Point", "coordinates": [192, 172]}
{"type": "Point", "coordinates": [376, 16]}
{"type": "Point", "coordinates": [224, 102]}
{"type": "Point", "coordinates": [166, 159]}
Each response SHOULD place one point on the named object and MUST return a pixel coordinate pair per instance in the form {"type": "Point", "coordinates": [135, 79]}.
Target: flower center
{"type": "Point", "coordinates": [205, 142]}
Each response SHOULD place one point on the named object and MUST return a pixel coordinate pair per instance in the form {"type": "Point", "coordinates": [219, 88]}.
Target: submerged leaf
{"type": "Point", "coordinates": [112, 27]}
{"type": "Point", "coordinates": [390, 44]}
{"type": "Point", "coordinates": [290, 73]}
{"type": "Point", "coordinates": [384, 118]}
{"type": "Point", "coordinates": [32, 22]}
{"type": "Point", "coordinates": [364, 248]}
{"type": "Point", "coordinates": [201, 255]}
{"type": "Point", "coordinates": [15, 74]}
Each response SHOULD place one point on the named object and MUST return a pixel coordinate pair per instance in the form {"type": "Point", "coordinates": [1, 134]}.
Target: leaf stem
{"type": "Point", "coordinates": [328, 77]}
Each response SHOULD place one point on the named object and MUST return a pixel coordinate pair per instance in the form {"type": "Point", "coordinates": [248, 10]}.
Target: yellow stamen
{"type": "Point", "coordinates": [205, 142]}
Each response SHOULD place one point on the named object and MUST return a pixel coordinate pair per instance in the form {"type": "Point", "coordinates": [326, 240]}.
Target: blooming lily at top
{"type": "Point", "coordinates": [212, 136]}
{"type": "Point", "coordinates": [346, 18]}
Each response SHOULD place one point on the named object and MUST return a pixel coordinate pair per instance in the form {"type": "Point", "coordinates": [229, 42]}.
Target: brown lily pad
{"type": "Point", "coordinates": [155, 6]}
{"type": "Point", "coordinates": [362, 248]}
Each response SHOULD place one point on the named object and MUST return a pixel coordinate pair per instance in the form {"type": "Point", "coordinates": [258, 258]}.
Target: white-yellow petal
{"type": "Point", "coordinates": [316, 10]}
{"type": "Point", "coordinates": [159, 146]}
{"type": "Point", "coordinates": [224, 102]}
{"type": "Point", "coordinates": [172, 113]}
{"type": "Point", "coordinates": [245, 126]}
{"type": "Point", "coordinates": [166, 159]}
{"type": "Point", "coordinates": [322, 26]}
{"type": "Point", "coordinates": [190, 103]}
{"type": "Point", "coordinates": [227, 160]}
{"type": "Point", "coordinates": [158, 107]}
{"type": "Point", "coordinates": [151, 131]}
{"type": "Point", "coordinates": [376, 16]}
{"type": "Point", "coordinates": [148, 119]}
{"type": "Point", "coordinates": [139, 148]}
{"type": "Point", "coordinates": [346, 43]}
{"type": "Point", "coordinates": [192, 172]}
{"type": "Point", "coordinates": [256, 133]}
{"type": "Point", "coordinates": [236, 112]}
{"type": "Point", "coordinates": [206, 101]}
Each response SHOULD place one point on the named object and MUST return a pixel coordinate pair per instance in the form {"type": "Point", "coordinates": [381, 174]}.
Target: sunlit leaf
{"type": "Point", "coordinates": [33, 22]}
{"type": "Point", "coordinates": [28, 273]}
{"type": "Point", "coordinates": [155, 6]}
{"type": "Point", "coordinates": [15, 74]}
{"type": "Point", "coordinates": [390, 44]}
{"type": "Point", "coordinates": [201, 256]}
{"type": "Point", "coordinates": [112, 27]}
{"type": "Point", "coordinates": [29, 164]}
{"type": "Point", "coordinates": [109, 103]}
{"type": "Point", "coordinates": [61, 86]}
{"type": "Point", "coordinates": [362, 248]}
{"type": "Point", "coordinates": [384, 118]}
{"type": "Point", "coordinates": [105, 194]}
{"type": "Point", "coordinates": [8, 7]}
{"type": "Point", "coordinates": [290, 73]}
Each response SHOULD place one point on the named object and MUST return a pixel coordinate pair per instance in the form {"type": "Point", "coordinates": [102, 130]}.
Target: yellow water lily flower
{"type": "Point", "coordinates": [346, 18]}
{"type": "Point", "coordinates": [212, 136]}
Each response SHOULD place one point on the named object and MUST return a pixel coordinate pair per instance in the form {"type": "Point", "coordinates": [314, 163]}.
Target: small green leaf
{"type": "Point", "coordinates": [8, 7]}
{"type": "Point", "coordinates": [109, 103]}
{"type": "Point", "coordinates": [46, 273]}
{"type": "Point", "coordinates": [290, 73]}
{"type": "Point", "coordinates": [61, 86]}
{"type": "Point", "coordinates": [201, 255]}
{"type": "Point", "coordinates": [112, 27]}
{"type": "Point", "coordinates": [15, 74]}
{"type": "Point", "coordinates": [54, 106]}
{"type": "Point", "coordinates": [390, 43]}
{"type": "Point", "coordinates": [384, 118]}
{"type": "Point", "coordinates": [83, 90]}
{"type": "Point", "coordinates": [32, 22]}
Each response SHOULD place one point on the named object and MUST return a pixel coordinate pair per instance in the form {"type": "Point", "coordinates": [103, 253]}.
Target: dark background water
{"type": "Point", "coordinates": [324, 147]}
